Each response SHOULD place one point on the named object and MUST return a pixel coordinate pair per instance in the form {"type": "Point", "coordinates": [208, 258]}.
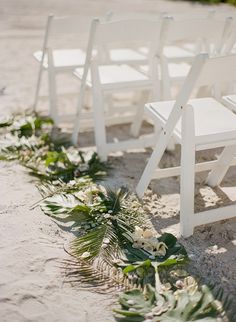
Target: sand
{"type": "Point", "coordinates": [32, 284]}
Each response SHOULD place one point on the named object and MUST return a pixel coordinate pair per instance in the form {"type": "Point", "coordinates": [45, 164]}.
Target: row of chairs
{"type": "Point", "coordinates": [136, 54]}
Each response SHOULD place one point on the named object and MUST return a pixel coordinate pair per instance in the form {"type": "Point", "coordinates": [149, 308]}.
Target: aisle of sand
{"type": "Point", "coordinates": [32, 287]}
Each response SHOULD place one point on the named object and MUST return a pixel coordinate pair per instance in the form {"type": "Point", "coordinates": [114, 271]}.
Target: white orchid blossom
{"type": "Point", "coordinates": [146, 239]}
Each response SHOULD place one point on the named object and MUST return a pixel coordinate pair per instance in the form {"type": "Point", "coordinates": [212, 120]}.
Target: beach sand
{"type": "Point", "coordinates": [32, 284]}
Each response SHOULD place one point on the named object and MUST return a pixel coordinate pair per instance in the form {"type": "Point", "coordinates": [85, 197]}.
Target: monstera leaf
{"type": "Point", "coordinates": [196, 304]}
{"type": "Point", "coordinates": [175, 253]}
{"type": "Point", "coordinates": [141, 267]}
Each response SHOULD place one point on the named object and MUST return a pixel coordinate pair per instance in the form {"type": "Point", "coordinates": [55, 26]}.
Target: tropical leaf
{"type": "Point", "coordinates": [168, 306]}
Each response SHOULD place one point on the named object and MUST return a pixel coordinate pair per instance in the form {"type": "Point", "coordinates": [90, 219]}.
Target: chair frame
{"type": "Point", "coordinates": [206, 29]}
{"type": "Point", "coordinates": [58, 26]}
{"type": "Point", "coordinates": [99, 89]}
{"type": "Point", "coordinates": [198, 76]}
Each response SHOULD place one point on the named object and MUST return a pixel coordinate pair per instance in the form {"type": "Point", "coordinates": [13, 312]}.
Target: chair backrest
{"type": "Point", "coordinates": [217, 71]}
{"type": "Point", "coordinates": [113, 16]}
{"type": "Point", "coordinates": [128, 33]}
{"type": "Point", "coordinates": [231, 41]}
{"type": "Point", "coordinates": [194, 14]}
{"type": "Point", "coordinates": [69, 24]}
{"type": "Point", "coordinates": [71, 29]}
{"type": "Point", "coordinates": [203, 32]}
{"type": "Point", "coordinates": [205, 71]}
{"type": "Point", "coordinates": [129, 30]}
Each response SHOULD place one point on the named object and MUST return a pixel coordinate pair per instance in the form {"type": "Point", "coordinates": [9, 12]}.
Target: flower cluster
{"type": "Point", "coordinates": [147, 240]}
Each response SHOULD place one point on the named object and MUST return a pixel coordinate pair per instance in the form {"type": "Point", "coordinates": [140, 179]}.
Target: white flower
{"type": "Point", "coordinates": [104, 246]}
{"type": "Point", "coordinates": [138, 232]}
{"type": "Point", "coordinates": [106, 240]}
{"type": "Point", "coordinates": [110, 211]}
{"type": "Point", "coordinates": [138, 243]}
{"type": "Point", "coordinates": [148, 233]}
{"type": "Point", "coordinates": [161, 249]}
{"type": "Point", "coordinates": [179, 284]}
{"type": "Point", "coordinates": [130, 302]}
{"type": "Point", "coordinates": [85, 255]}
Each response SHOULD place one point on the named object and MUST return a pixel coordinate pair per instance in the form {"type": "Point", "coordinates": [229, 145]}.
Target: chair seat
{"type": "Point", "coordinates": [175, 53]}
{"type": "Point", "coordinates": [213, 121]}
{"type": "Point", "coordinates": [230, 101]}
{"type": "Point", "coordinates": [117, 74]}
{"type": "Point", "coordinates": [177, 72]}
{"type": "Point", "coordinates": [126, 55]}
{"type": "Point", "coordinates": [64, 58]}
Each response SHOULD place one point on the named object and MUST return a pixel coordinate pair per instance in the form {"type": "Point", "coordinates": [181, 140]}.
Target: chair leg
{"type": "Point", "coordinates": [36, 97]}
{"type": "Point", "coordinates": [88, 98]}
{"type": "Point", "coordinates": [52, 94]}
{"type": "Point", "coordinates": [99, 122]}
{"type": "Point", "coordinates": [152, 164]}
{"type": "Point", "coordinates": [187, 174]}
{"type": "Point", "coordinates": [171, 145]}
{"type": "Point", "coordinates": [138, 118]}
{"type": "Point", "coordinates": [217, 174]}
{"type": "Point", "coordinates": [165, 82]}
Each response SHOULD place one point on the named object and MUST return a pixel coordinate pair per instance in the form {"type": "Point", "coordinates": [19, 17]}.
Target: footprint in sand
{"type": "Point", "coordinates": [31, 307]}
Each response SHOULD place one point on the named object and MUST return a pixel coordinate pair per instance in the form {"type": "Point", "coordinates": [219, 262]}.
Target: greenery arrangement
{"type": "Point", "coordinates": [113, 243]}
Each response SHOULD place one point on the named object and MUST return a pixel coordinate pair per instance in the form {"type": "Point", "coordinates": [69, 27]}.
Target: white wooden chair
{"type": "Point", "coordinates": [136, 55]}
{"type": "Point", "coordinates": [207, 35]}
{"type": "Point", "coordinates": [174, 52]}
{"type": "Point", "coordinates": [106, 78]}
{"type": "Point", "coordinates": [197, 124]}
{"type": "Point", "coordinates": [56, 60]}
{"type": "Point", "coordinates": [230, 48]}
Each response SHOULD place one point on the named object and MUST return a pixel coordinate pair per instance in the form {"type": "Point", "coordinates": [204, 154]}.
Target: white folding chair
{"type": "Point", "coordinates": [230, 48]}
{"type": "Point", "coordinates": [197, 124]}
{"type": "Point", "coordinates": [173, 52]}
{"type": "Point", "coordinates": [104, 78]}
{"type": "Point", "coordinates": [136, 55]}
{"type": "Point", "coordinates": [207, 35]}
{"type": "Point", "coordinates": [55, 56]}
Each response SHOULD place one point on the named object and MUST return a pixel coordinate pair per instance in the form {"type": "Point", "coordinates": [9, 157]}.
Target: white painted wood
{"type": "Point", "coordinates": [218, 70]}
{"type": "Point", "coordinates": [230, 102]}
{"type": "Point", "coordinates": [113, 78]}
{"type": "Point", "coordinates": [175, 171]}
{"type": "Point", "coordinates": [205, 123]}
{"type": "Point", "coordinates": [98, 109]}
{"type": "Point", "coordinates": [213, 215]}
{"type": "Point", "coordinates": [202, 33]}
{"type": "Point", "coordinates": [39, 79]}
{"type": "Point", "coordinates": [52, 87]}
{"type": "Point", "coordinates": [187, 176]}
{"type": "Point", "coordinates": [138, 117]}
{"type": "Point", "coordinates": [142, 143]}
{"type": "Point", "coordinates": [64, 60]}
{"type": "Point", "coordinates": [83, 83]}
{"type": "Point", "coordinates": [219, 171]}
